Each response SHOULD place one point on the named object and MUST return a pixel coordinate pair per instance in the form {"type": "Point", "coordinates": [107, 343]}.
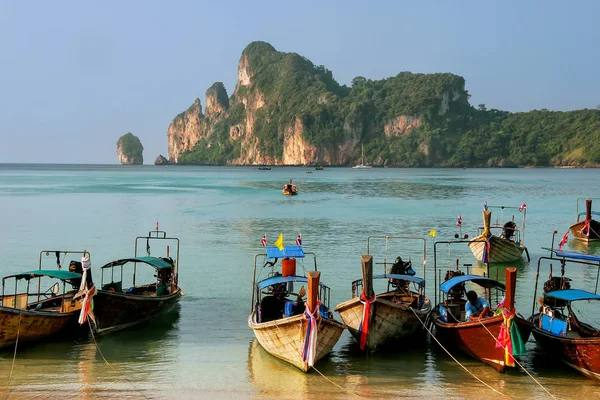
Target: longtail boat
{"type": "Point", "coordinates": [508, 246]}
{"type": "Point", "coordinates": [289, 189]}
{"type": "Point", "coordinates": [286, 326]}
{"type": "Point", "coordinates": [31, 314]}
{"type": "Point", "coordinates": [556, 327]}
{"type": "Point", "coordinates": [480, 336]}
{"type": "Point", "coordinates": [116, 307]}
{"type": "Point", "coordinates": [375, 320]}
{"type": "Point", "coordinates": [587, 229]}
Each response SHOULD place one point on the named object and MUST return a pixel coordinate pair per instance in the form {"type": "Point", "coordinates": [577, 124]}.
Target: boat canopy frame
{"type": "Point", "coordinates": [271, 257]}
{"type": "Point", "coordinates": [63, 276]}
{"type": "Point", "coordinates": [578, 214]}
{"type": "Point", "coordinates": [467, 265]}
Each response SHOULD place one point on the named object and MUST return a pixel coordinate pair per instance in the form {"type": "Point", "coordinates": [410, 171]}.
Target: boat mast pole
{"type": "Point", "coordinates": [523, 227]}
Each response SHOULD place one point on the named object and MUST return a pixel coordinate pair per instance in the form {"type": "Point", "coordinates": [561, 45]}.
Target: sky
{"type": "Point", "coordinates": [76, 75]}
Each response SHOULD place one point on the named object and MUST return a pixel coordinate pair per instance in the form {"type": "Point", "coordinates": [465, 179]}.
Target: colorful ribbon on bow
{"type": "Point", "coordinates": [309, 351]}
{"type": "Point", "coordinates": [363, 329]}
{"type": "Point", "coordinates": [509, 338]}
{"type": "Point", "coordinates": [88, 293]}
{"type": "Point", "coordinates": [487, 247]}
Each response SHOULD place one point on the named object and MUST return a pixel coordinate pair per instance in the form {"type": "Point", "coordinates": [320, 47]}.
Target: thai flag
{"type": "Point", "coordinates": [523, 207]}
{"type": "Point", "coordinates": [263, 241]}
{"type": "Point", "coordinates": [299, 240]}
{"type": "Point", "coordinates": [459, 220]}
{"type": "Point", "coordinates": [485, 205]}
{"type": "Point", "coordinates": [563, 240]}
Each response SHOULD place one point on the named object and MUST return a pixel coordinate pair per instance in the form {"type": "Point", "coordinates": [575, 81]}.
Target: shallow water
{"type": "Point", "coordinates": [205, 349]}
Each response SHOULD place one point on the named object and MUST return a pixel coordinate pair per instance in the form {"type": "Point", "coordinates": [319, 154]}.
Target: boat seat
{"type": "Point", "coordinates": [270, 309]}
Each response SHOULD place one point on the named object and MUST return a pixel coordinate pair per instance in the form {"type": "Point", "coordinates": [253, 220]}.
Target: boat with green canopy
{"type": "Point", "coordinates": [122, 301]}
{"type": "Point", "coordinates": [28, 313]}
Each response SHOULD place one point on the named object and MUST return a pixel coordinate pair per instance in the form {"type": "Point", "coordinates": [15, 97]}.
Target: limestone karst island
{"type": "Point", "coordinates": [287, 111]}
{"type": "Point", "coordinates": [130, 150]}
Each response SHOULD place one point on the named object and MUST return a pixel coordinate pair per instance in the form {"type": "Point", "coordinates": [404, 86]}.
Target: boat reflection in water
{"type": "Point", "coordinates": [138, 359]}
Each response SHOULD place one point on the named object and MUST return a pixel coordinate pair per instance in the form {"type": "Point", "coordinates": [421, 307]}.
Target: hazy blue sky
{"type": "Point", "coordinates": [74, 76]}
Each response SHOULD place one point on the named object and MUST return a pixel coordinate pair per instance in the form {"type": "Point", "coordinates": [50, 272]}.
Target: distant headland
{"type": "Point", "coordinates": [287, 111]}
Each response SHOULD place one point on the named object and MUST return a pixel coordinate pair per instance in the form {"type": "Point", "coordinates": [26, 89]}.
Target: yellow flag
{"type": "Point", "coordinates": [279, 242]}
{"type": "Point", "coordinates": [432, 233]}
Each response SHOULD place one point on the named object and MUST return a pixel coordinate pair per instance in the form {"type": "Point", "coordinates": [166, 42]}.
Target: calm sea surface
{"type": "Point", "coordinates": [204, 349]}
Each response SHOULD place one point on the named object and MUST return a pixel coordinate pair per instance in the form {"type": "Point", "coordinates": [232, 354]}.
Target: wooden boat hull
{"type": "Point", "coordinates": [391, 321]}
{"type": "Point", "coordinates": [115, 311]}
{"type": "Point", "coordinates": [33, 325]}
{"type": "Point", "coordinates": [284, 338]}
{"type": "Point", "coordinates": [474, 339]}
{"type": "Point", "coordinates": [593, 233]}
{"type": "Point", "coordinates": [501, 250]}
{"type": "Point", "coordinates": [582, 354]}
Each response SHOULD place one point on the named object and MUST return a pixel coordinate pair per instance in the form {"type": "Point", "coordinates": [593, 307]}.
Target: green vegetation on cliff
{"type": "Point", "coordinates": [406, 120]}
{"type": "Point", "coordinates": [130, 149]}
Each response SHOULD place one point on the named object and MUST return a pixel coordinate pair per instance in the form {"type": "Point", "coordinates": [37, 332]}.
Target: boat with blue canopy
{"type": "Point", "coordinates": [290, 322]}
{"type": "Point", "coordinates": [389, 316]}
{"type": "Point", "coordinates": [122, 301]}
{"type": "Point", "coordinates": [465, 318]}
{"type": "Point", "coordinates": [556, 324]}
{"type": "Point", "coordinates": [39, 304]}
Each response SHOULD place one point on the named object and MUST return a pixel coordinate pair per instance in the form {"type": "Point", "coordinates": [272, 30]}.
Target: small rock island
{"type": "Point", "coordinates": [130, 150]}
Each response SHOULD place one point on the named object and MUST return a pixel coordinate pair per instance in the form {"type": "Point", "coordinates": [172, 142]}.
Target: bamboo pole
{"type": "Point", "coordinates": [367, 270]}
{"type": "Point", "coordinates": [313, 290]}
{"type": "Point", "coordinates": [511, 283]}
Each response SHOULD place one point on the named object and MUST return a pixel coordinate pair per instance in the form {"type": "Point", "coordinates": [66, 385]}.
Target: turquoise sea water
{"type": "Point", "coordinates": [205, 348]}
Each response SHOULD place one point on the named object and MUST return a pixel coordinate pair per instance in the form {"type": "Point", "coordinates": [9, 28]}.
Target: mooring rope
{"type": "Point", "coordinates": [14, 355]}
{"type": "Point", "coordinates": [109, 364]}
{"type": "Point", "coordinates": [458, 362]}
{"type": "Point", "coordinates": [518, 363]}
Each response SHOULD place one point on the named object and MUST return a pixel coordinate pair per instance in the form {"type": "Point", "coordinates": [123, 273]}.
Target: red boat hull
{"type": "Point", "coordinates": [582, 354]}
{"type": "Point", "coordinates": [475, 340]}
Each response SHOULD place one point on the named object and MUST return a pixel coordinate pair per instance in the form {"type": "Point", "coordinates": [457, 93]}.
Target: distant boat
{"type": "Point", "coordinates": [264, 168]}
{"type": "Point", "coordinates": [587, 229]}
{"type": "Point", "coordinates": [319, 168]}
{"type": "Point", "coordinates": [289, 189]}
{"type": "Point", "coordinates": [362, 160]}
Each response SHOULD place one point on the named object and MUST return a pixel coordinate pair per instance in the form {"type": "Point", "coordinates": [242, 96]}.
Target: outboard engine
{"type": "Point", "coordinates": [458, 291]}
{"type": "Point", "coordinates": [508, 230]}
{"type": "Point", "coordinates": [401, 268]}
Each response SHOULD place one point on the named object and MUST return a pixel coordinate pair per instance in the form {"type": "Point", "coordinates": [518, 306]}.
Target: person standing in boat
{"type": "Point", "coordinates": [476, 307]}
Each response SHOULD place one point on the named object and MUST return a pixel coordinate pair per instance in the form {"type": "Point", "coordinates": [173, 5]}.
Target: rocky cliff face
{"type": "Point", "coordinates": [287, 111]}
{"type": "Point", "coordinates": [130, 150]}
